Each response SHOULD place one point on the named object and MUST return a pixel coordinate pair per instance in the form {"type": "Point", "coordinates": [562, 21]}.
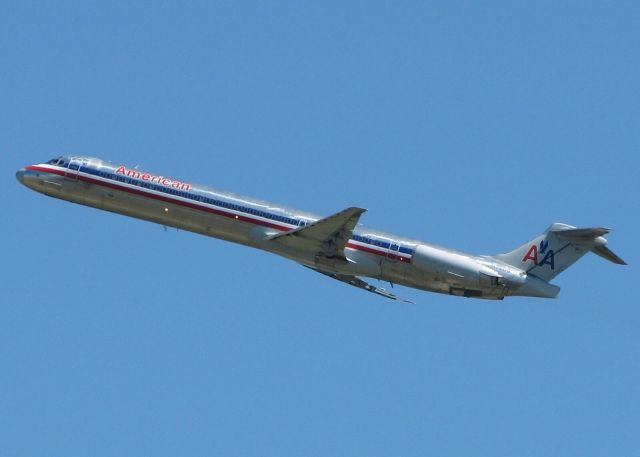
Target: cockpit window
{"type": "Point", "coordinates": [56, 161]}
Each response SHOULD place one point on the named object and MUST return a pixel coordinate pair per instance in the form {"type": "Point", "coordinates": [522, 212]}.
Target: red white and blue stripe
{"type": "Point", "coordinates": [203, 199]}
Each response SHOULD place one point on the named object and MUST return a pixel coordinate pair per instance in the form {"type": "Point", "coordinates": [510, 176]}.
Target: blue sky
{"type": "Point", "coordinates": [468, 125]}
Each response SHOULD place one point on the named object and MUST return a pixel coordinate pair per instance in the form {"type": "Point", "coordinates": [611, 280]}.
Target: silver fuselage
{"type": "Point", "coordinates": [250, 222]}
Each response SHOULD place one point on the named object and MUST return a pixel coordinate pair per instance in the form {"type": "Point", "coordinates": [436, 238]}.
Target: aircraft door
{"type": "Point", "coordinates": [392, 267]}
{"type": "Point", "coordinates": [392, 248]}
{"type": "Point", "coordinates": [394, 264]}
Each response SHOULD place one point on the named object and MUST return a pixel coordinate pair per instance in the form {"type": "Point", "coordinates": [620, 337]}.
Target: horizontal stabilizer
{"type": "Point", "coordinates": [582, 233]}
{"type": "Point", "coordinates": [591, 234]}
{"type": "Point", "coordinates": [608, 254]}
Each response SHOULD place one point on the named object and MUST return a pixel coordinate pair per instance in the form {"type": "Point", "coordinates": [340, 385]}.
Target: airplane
{"type": "Point", "coordinates": [336, 246]}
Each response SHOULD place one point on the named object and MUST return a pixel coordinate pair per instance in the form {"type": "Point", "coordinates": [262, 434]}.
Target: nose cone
{"type": "Point", "coordinates": [20, 175]}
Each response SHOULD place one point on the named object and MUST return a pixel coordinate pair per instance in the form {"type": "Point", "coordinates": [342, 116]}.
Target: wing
{"type": "Point", "coordinates": [327, 237]}
{"type": "Point", "coordinates": [357, 282]}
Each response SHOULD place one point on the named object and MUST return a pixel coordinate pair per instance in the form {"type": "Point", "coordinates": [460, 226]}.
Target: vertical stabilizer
{"type": "Point", "coordinates": [552, 252]}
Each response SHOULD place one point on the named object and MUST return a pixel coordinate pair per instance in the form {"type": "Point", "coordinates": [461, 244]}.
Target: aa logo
{"type": "Point", "coordinates": [535, 252]}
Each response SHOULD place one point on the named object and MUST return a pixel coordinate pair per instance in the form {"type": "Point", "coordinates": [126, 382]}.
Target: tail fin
{"type": "Point", "coordinates": [549, 254]}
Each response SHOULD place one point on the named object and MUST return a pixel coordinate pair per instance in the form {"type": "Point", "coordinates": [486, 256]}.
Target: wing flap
{"type": "Point", "coordinates": [359, 283]}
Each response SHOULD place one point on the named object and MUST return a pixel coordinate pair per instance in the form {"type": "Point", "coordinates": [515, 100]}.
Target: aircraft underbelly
{"type": "Point", "coordinates": [160, 212]}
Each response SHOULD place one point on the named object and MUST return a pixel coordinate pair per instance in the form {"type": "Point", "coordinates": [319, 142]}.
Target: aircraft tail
{"type": "Point", "coordinates": [552, 252]}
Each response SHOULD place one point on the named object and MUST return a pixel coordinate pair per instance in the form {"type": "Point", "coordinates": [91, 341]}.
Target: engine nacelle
{"type": "Point", "coordinates": [458, 274]}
